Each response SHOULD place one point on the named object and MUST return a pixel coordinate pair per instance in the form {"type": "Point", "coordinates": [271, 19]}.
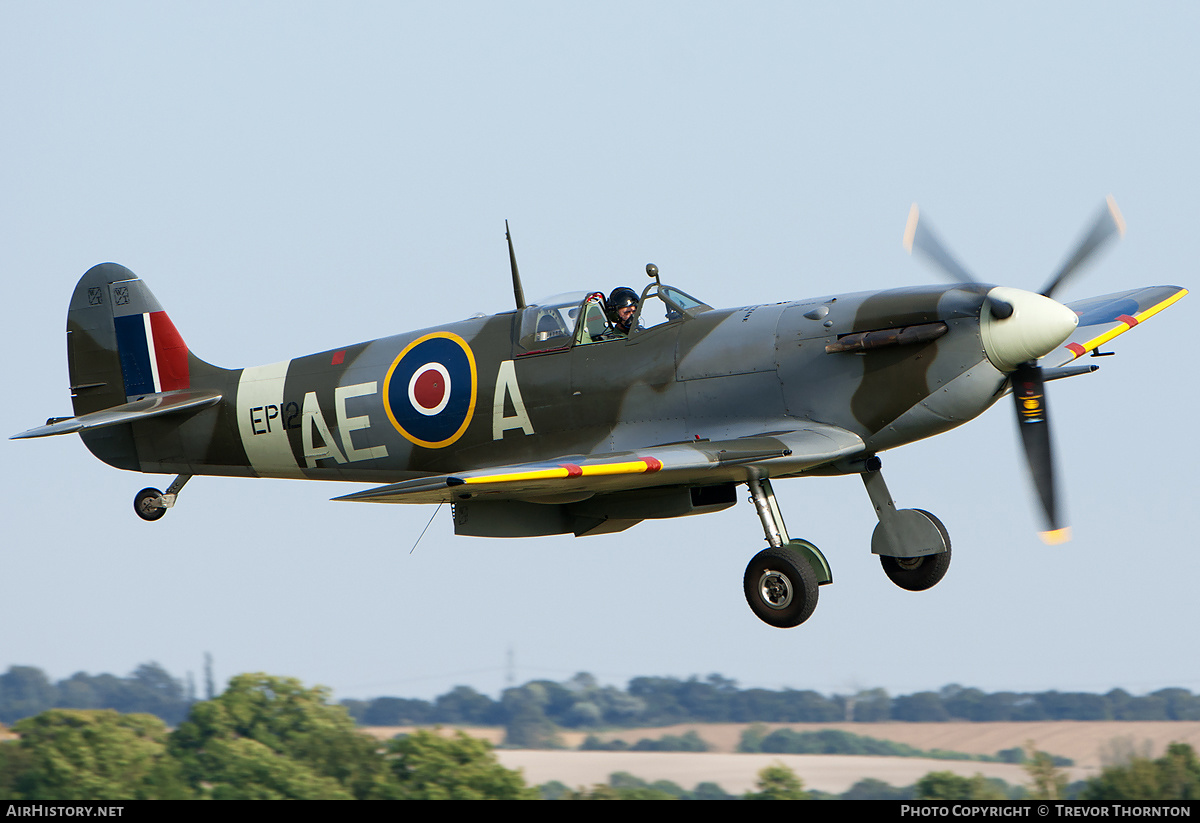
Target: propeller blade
{"type": "Point", "coordinates": [920, 237]}
{"type": "Point", "coordinates": [1108, 223]}
{"type": "Point", "coordinates": [1033, 421]}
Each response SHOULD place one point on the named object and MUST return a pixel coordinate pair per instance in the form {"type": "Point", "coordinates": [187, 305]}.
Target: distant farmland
{"type": "Point", "coordinates": [1089, 743]}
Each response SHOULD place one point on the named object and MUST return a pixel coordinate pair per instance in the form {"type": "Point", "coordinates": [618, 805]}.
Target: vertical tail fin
{"type": "Point", "coordinates": [120, 343]}
{"type": "Point", "coordinates": [129, 366]}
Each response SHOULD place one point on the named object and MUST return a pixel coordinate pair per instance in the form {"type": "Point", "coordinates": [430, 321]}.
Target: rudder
{"type": "Point", "coordinates": [120, 343]}
{"type": "Point", "coordinates": [121, 347]}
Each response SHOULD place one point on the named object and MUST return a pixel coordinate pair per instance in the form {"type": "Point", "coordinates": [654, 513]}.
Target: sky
{"type": "Point", "coordinates": [294, 177]}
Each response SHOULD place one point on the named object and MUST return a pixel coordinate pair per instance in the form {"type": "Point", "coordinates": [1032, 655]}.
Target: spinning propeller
{"type": "Point", "coordinates": [1017, 328]}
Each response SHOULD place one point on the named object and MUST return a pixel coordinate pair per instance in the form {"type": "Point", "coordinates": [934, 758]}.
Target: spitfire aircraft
{"type": "Point", "coordinates": [553, 419]}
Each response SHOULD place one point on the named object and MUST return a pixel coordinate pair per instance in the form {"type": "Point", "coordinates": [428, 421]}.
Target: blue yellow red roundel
{"type": "Point", "coordinates": [429, 391]}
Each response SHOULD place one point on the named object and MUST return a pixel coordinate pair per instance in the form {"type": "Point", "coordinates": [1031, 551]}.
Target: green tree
{"type": "Point", "coordinates": [950, 786]}
{"type": "Point", "coordinates": [637, 789]}
{"type": "Point", "coordinates": [1174, 776]}
{"type": "Point", "coordinates": [527, 726]}
{"type": "Point", "coordinates": [243, 769]}
{"type": "Point", "coordinates": [778, 782]}
{"type": "Point", "coordinates": [82, 754]}
{"type": "Point", "coordinates": [14, 763]}
{"type": "Point", "coordinates": [629, 787]}
{"type": "Point", "coordinates": [395, 711]}
{"type": "Point", "coordinates": [922, 707]}
{"type": "Point", "coordinates": [427, 766]}
{"type": "Point", "coordinates": [868, 706]}
{"type": "Point", "coordinates": [710, 791]}
{"type": "Point", "coordinates": [151, 689]}
{"type": "Point", "coordinates": [869, 788]}
{"type": "Point", "coordinates": [689, 741]}
{"type": "Point", "coordinates": [554, 790]}
{"type": "Point", "coordinates": [271, 737]}
{"type": "Point", "coordinates": [1181, 704]}
{"type": "Point", "coordinates": [1046, 781]}
{"type": "Point", "coordinates": [752, 738]}
{"type": "Point", "coordinates": [1179, 772]}
{"type": "Point", "coordinates": [592, 743]}
{"type": "Point", "coordinates": [24, 691]}
{"type": "Point", "coordinates": [462, 704]}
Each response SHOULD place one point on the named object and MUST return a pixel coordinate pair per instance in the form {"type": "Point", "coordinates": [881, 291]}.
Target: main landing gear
{"type": "Point", "coordinates": [151, 504]}
{"type": "Point", "coordinates": [913, 545]}
{"type": "Point", "coordinates": [781, 582]}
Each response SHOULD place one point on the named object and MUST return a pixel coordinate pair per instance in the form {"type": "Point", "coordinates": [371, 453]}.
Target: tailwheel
{"type": "Point", "coordinates": [148, 504]}
{"type": "Point", "coordinates": [781, 587]}
{"type": "Point", "coordinates": [151, 504]}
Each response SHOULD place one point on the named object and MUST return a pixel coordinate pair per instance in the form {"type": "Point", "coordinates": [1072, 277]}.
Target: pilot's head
{"type": "Point", "coordinates": [622, 305]}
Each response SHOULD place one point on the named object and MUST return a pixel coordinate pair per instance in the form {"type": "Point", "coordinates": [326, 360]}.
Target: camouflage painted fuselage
{"type": "Point", "coordinates": [476, 393]}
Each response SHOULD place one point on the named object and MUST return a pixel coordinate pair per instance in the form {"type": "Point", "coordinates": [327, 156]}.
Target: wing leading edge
{"type": "Point", "coordinates": [678, 464]}
{"type": "Point", "coordinates": [1103, 318]}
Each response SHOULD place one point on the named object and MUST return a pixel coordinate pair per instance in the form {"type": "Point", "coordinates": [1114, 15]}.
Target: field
{"type": "Point", "coordinates": [1089, 744]}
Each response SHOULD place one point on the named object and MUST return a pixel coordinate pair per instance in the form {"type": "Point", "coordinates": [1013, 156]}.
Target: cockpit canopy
{"type": "Point", "coordinates": [580, 318]}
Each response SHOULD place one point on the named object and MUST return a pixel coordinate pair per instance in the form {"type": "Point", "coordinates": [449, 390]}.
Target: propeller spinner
{"type": "Point", "coordinates": [1018, 328]}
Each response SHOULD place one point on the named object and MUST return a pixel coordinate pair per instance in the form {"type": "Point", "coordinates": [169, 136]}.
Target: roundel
{"type": "Point", "coordinates": [429, 391]}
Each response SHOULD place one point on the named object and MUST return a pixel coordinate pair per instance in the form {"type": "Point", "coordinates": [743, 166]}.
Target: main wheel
{"type": "Point", "coordinates": [146, 504]}
{"type": "Point", "coordinates": [781, 587]}
{"type": "Point", "coordinates": [916, 574]}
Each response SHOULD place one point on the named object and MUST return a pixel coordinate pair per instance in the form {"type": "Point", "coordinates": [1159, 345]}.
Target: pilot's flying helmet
{"type": "Point", "coordinates": [620, 298]}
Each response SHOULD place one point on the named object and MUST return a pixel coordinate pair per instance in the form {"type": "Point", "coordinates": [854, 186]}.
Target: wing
{"type": "Point", "coordinates": [693, 463]}
{"type": "Point", "coordinates": [151, 405]}
{"type": "Point", "coordinates": [1103, 318]}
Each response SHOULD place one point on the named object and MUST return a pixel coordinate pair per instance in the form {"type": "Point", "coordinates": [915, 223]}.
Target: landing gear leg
{"type": "Point", "coordinates": [151, 504]}
{"type": "Point", "coordinates": [781, 582]}
{"type": "Point", "coordinates": [913, 545]}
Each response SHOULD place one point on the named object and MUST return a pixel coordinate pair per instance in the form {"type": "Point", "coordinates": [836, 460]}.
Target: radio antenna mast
{"type": "Point", "coordinates": [518, 292]}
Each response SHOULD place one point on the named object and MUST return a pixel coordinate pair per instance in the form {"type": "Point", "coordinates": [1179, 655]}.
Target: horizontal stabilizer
{"type": "Point", "coordinates": [696, 463]}
{"type": "Point", "coordinates": [152, 405]}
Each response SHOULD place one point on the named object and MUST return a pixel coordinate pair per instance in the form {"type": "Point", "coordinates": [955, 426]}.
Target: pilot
{"type": "Point", "coordinates": [622, 305]}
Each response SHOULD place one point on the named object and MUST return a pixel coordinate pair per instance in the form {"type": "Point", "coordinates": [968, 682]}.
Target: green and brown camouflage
{"type": "Point", "coordinates": [542, 421]}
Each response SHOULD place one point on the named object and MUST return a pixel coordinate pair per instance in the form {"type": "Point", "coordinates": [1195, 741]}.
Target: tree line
{"type": "Point", "coordinates": [534, 712]}
{"type": "Point", "coordinates": [149, 689]}
{"type": "Point", "coordinates": [264, 738]}
{"type": "Point", "coordinates": [270, 737]}
{"type": "Point", "coordinates": [581, 702]}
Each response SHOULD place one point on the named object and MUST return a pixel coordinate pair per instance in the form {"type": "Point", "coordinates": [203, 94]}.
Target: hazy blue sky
{"type": "Point", "coordinates": [291, 177]}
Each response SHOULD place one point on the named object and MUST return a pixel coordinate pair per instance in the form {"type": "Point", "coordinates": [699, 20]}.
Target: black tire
{"type": "Point", "coordinates": [916, 574]}
{"type": "Point", "coordinates": [780, 587]}
{"type": "Point", "coordinates": [142, 504]}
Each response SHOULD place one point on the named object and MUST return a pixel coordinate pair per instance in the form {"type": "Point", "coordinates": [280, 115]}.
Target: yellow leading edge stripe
{"type": "Point", "coordinates": [561, 472]}
{"type": "Point", "coordinates": [1059, 536]}
{"type": "Point", "coordinates": [1097, 342]}
{"type": "Point", "coordinates": [543, 474]}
